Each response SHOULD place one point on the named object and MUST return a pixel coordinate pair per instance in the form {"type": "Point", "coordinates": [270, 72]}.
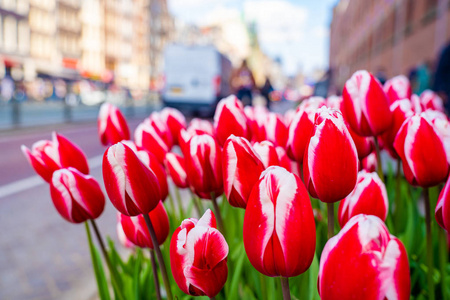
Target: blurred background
{"type": "Point", "coordinates": [61, 59]}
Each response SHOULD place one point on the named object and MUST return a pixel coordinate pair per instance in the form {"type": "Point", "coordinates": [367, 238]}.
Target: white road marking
{"type": "Point", "coordinates": [34, 181]}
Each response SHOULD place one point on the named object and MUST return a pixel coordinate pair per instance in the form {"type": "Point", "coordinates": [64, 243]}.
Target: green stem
{"type": "Point", "coordinates": [443, 253]}
{"type": "Point", "coordinates": [330, 210]}
{"type": "Point", "coordinates": [379, 164]}
{"type": "Point", "coordinates": [263, 286]}
{"type": "Point", "coordinates": [180, 203]}
{"type": "Point", "coordinates": [285, 288]}
{"type": "Point", "coordinates": [155, 274]}
{"type": "Point", "coordinates": [172, 205]}
{"type": "Point", "coordinates": [217, 213]}
{"type": "Point", "coordinates": [429, 244]}
{"type": "Point", "coordinates": [112, 271]}
{"type": "Point", "coordinates": [162, 265]}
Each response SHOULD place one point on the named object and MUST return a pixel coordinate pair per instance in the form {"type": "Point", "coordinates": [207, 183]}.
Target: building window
{"type": "Point", "coordinates": [23, 36]}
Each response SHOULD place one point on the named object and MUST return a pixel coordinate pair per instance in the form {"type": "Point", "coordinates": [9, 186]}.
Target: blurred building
{"type": "Point", "coordinates": [386, 37]}
{"type": "Point", "coordinates": [14, 37]}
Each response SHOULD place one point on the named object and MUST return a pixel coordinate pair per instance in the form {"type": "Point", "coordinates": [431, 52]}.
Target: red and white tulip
{"type": "Point", "coordinates": [397, 88]}
{"type": "Point", "coordinates": [176, 167]}
{"type": "Point", "coordinates": [230, 119]}
{"type": "Point", "coordinates": [174, 120]}
{"type": "Point", "coordinates": [112, 126]}
{"type": "Point", "coordinates": [279, 228]}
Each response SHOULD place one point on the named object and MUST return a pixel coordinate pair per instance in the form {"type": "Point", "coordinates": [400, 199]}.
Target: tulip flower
{"type": "Point", "coordinates": [283, 158]}
{"type": "Point", "coordinates": [442, 212]}
{"type": "Point", "coordinates": [174, 120]}
{"type": "Point", "coordinates": [442, 126]}
{"type": "Point", "coordinates": [136, 230]}
{"type": "Point", "coordinates": [198, 256]}
{"type": "Point", "coordinates": [363, 261]}
{"type": "Point", "coordinates": [196, 127]}
{"type": "Point", "coordinates": [401, 110]}
{"type": "Point", "coordinates": [331, 159]}
{"type": "Point", "coordinates": [415, 104]}
{"type": "Point", "coordinates": [289, 116]}
{"type": "Point", "coordinates": [256, 119]}
{"type": "Point", "coordinates": [160, 125]}
{"type": "Point", "coordinates": [413, 143]}
{"type": "Point", "coordinates": [369, 163]}
{"type": "Point", "coordinates": [230, 119]}
{"type": "Point", "coordinates": [241, 170]}
{"type": "Point", "coordinates": [121, 235]}
{"type": "Point", "coordinates": [397, 88]}
{"type": "Point", "coordinates": [147, 137]}
{"type": "Point", "coordinates": [76, 196]}
{"type": "Point", "coordinates": [48, 156]}
{"type": "Point", "coordinates": [369, 197]}
{"type": "Point", "coordinates": [301, 127]}
{"type": "Point", "coordinates": [335, 102]}
{"type": "Point", "coordinates": [364, 145]}
{"type": "Point", "coordinates": [176, 167]}
{"type": "Point", "coordinates": [276, 130]}
{"type": "Point", "coordinates": [112, 126]}
{"type": "Point", "coordinates": [431, 100]}
{"type": "Point", "coordinates": [267, 153]}
{"type": "Point", "coordinates": [132, 188]}
{"type": "Point", "coordinates": [204, 166]}
{"type": "Point", "coordinates": [366, 105]}
{"type": "Point", "coordinates": [151, 162]}
{"type": "Point", "coordinates": [279, 229]}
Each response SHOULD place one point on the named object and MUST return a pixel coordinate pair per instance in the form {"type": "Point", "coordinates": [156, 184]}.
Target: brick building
{"type": "Point", "coordinates": [392, 36]}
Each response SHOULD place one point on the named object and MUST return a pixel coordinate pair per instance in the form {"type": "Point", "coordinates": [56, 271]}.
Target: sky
{"type": "Point", "coordinates": [294, 30]}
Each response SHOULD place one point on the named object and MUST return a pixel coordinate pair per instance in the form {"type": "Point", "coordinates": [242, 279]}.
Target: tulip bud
{"type": "Point", "coordinates": [174, 120]}
{"type": "Point", "coordinates": [415, 104]}
{"type": "Point", "coordinates": [276, 131]}
{"type": "Point", "coordinates": [413, 143]}
{"type": "Point", "coordinates": [136, 229]}
{"type": "Point", "coordinates": [132, 188]}
{"type": "Point", "coordinates": [364, 145]}
{"type": "Point", "coordinates": [401, 110]}
{"type": "Point", "coordinates": [331, 161]}
{"type": "Point", "coordinates": [241, 170]}
{"type": "Point", "coordinates": [369, 197]}
{"type": "Point", "coordinates": [369, 163]}
{"type": "Point", "coordinates": [256, 119]}
{"type": "Point", "coordinates": [279, 228]}
{"type": "Point", "coordinates": [283, 158]}
{"type": "Point", "coordinates": [76, 196]}
{"type": "Point", "coordinates": [112, 126]}
{"type": "Point", "coordinates": [146, 137]}
{"type": "Point", "coordinates": [442, 212]}
{"type": "Point", "coordinates": [431, 100]}
{"type": "Point", "coordinates": [230, 119]}
{"type": "Point", "coordinates": [288, 117]}
{"type": "Point", "coordinates": [121, 235]}
{"type": "Point", "coordinates": [366, 105]}
{"type": "Point", "coordinates": [442, 126]}
{"type": "Point", "coordinates": [151, 162]}
{"type": "Point", "coordinates": [363, 259]}
{"type": "Point", "coordinates": [196, 127]}
{"type": "Point", "coordinates": [156, 121]}
{"type": "Point", "coordinates": [301, 127]}
{"type": "Point", "coordinates": [335, 102]}
{"type": "Point", "coordinates": [204, 166]}
{"type": "Point", "coordinates": [198, 256]}
{"type": "Point", "coordinates": [397, 88]}
{"type": "Point", "coordinates": [48, 156]}
{"type": "Point", "coordinates": [176, 166]}
{"type": "Point", "coordinates": [267, 153]}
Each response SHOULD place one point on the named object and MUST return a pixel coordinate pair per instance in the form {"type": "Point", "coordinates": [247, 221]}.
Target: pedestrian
{"type": "Point", "coordinates": [265, 91]}
{"type": "Point", "coordinates": [243, 83]}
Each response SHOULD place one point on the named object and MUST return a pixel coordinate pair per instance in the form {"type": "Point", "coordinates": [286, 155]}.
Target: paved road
{"type": "Point", "coordinates": [41, 255]}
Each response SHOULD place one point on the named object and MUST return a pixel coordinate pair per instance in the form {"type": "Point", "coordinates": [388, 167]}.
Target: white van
{"type": "Point", "coordinates": [196, 78]}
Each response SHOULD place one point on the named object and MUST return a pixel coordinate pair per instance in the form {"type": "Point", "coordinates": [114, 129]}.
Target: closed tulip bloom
{"type": "Point", "coordinates": [363, 261]}
{"type": "Point", "coordinates": [230, 119]}
{"type": "Point", "coordinates": [132, 188]}
{"type": "Point", "coordinates": [442, 212]}
{"type": "Point", "coordinates": [369, 163]}
{"type": "Point", "coordinates": [279, 228]}
{"type": "Point", "coordinates": [283, 158]}
{"type": "Point", "coordinates": [366, 105]}
{"type": "Point", "coordinates": [369, 197]}
{"type": "Point", "coordinates": [364, 145]}
{"type": "Point", "coordinates": [48, 156]}
{"type": "Point", "coordinates": [331, 160]}
{"type": "Point", "coordinates": [112, 126]}
{"type": "Point", "coordinates": [204, 166]}
{"type": "Point", "coordinates": [136, 229]}
{"type": "Point", "coordinates": [196, 127]}
{"type": "Point", "coordinates": [413, 143]}
{"type": "Point", "coordinates": [276, 130]}
{"type": "Point", "coordinates": [401, 110]}
{"type": "Point", "coordinates": [289, 116]}
{"type": "Point", "coordinates": [415, 104]}
{"type": "Point", "coordinates": [198, 256]}
{"type": "Point", "coordinates": [156, 121]}
{"type": "Point", "coordinates": [76, 196]}
{"type": "Point", "coordinates": [241, 170]}
{"type": "Point", "coordinates": [442, 126]}
{"type": "Point", "coordinates": [267, 153]}
{"type": "Point", "coordinates": [176, 167]}
{"type": "Point", "coordinates": [147, 137]}
{"type": "Point", "coordinates": [256, 119]}
{"type": "Point", "coordinates": [121, 235]}
{"type": "Point", "coordinates": [301, 127]}
{"type": "Point", "coordinates": [335, 102]}
{"type": "Point", "coordinates": [431, 100]}
{"type": "Point", "coordinates": [174, 120]}
{"type": "Point", "coordinates": [397, 88]}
